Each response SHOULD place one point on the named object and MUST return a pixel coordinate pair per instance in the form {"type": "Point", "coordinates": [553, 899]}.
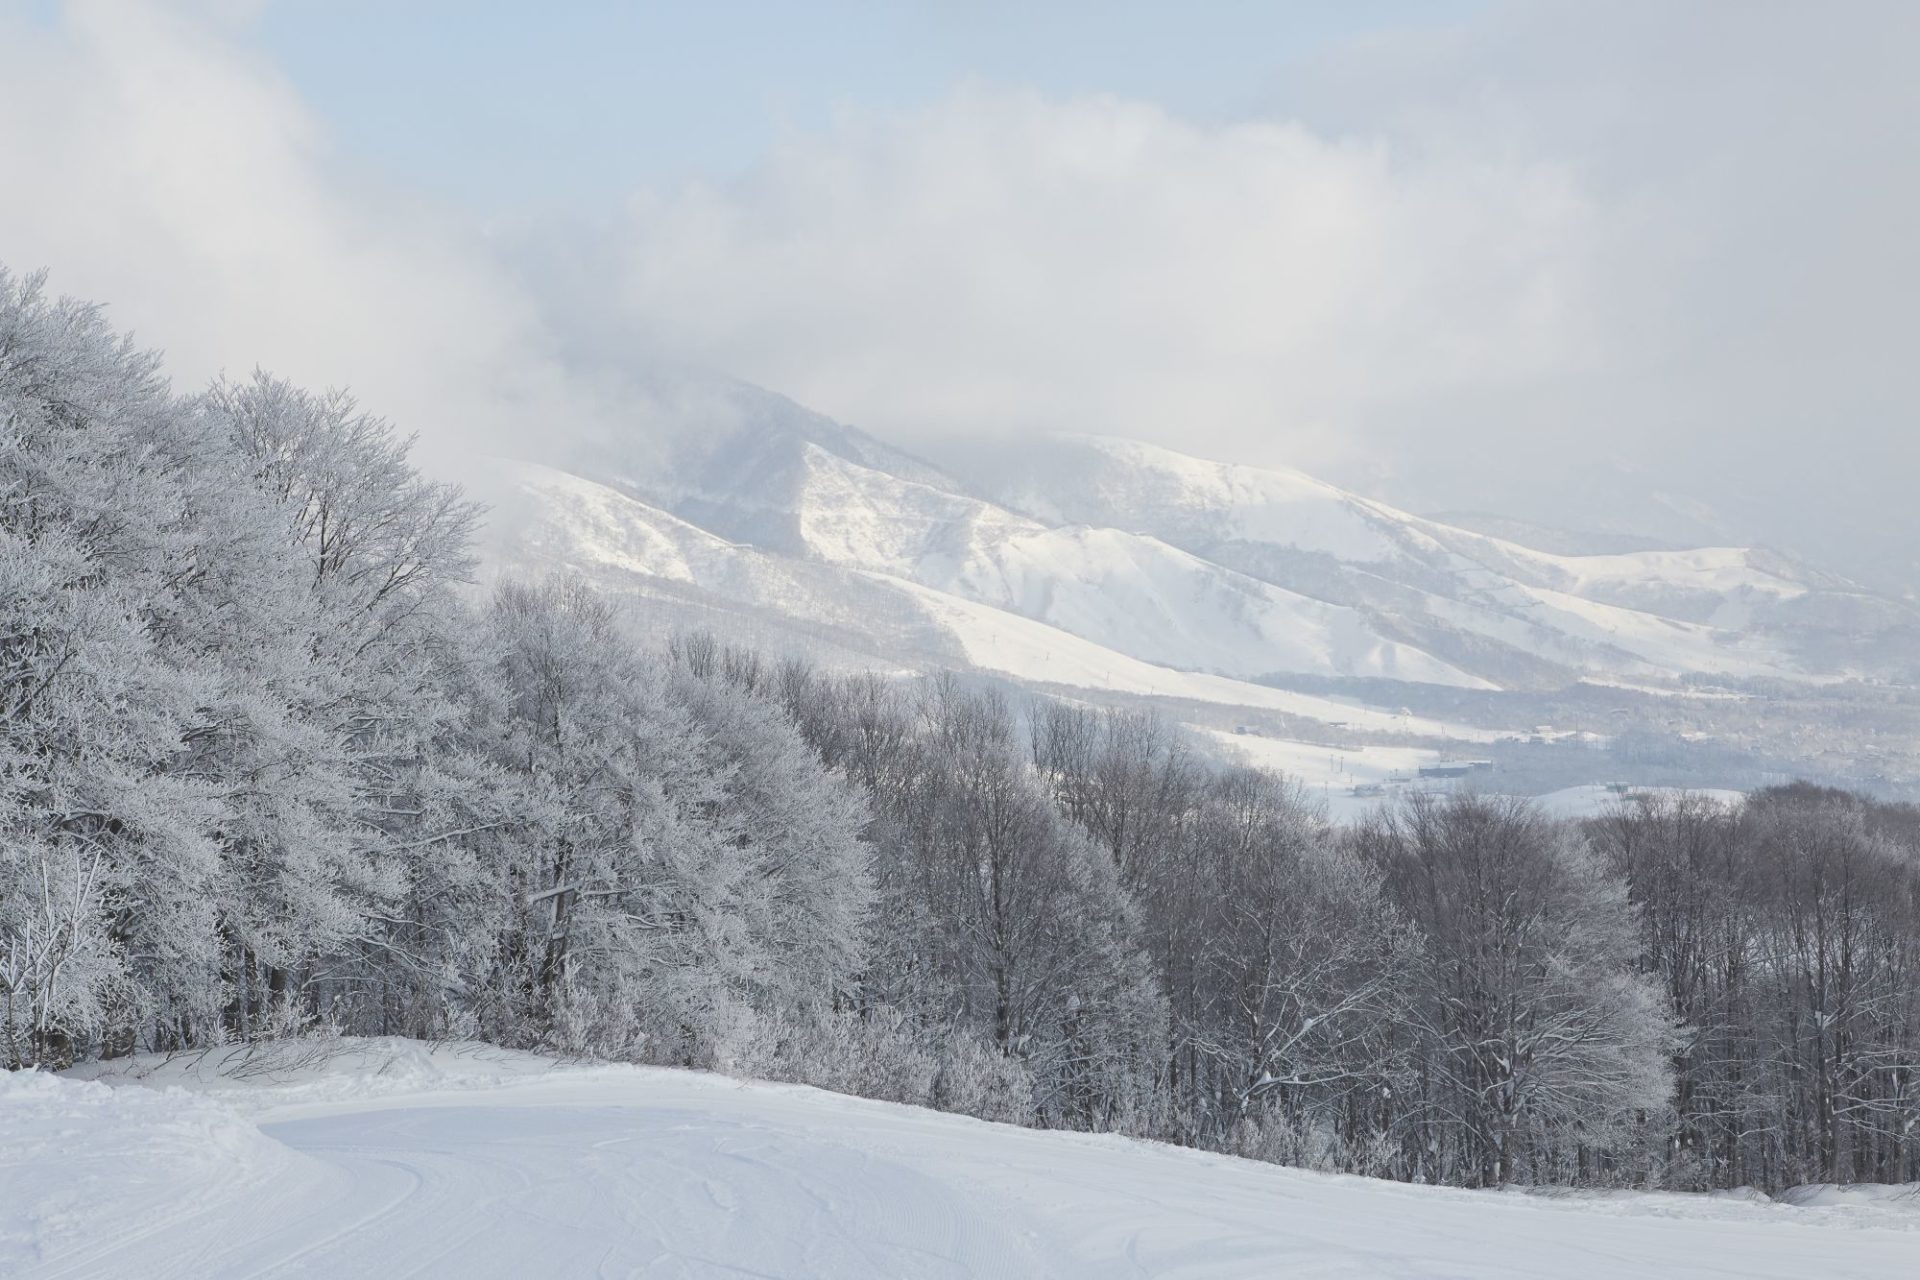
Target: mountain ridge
{"type": "Point", "coordinates": [1242, 599]}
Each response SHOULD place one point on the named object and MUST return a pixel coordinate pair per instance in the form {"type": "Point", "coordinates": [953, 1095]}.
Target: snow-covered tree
{"type": "Point", "coordinates": [1300, 970]}
{"type": "Point", "coordinates": [688, 882]}
{"type": "Point", "coordinates": [376, 552]}
{"type": "Point", "coordinates": [1786, 932]}
{"type": "Point", "coordinates": [107, 850]}
{"type": "Point", "coordinates": [1543, 1049]}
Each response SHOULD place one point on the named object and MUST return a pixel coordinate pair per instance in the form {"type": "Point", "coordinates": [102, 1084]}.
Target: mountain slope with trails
{"type": "Point", "coordinates": [1251, 572]}
{"type": "Point", "coordinates": [395, 1158]}
{"type": "Point", "coordinates": [1233, 598]}
{"type": "Point", "coordinates": [1132, 593]}
{"type": "Point", "coordinates": [1675, 612]}
{"type": "Point", "coordinates": [668, 569]}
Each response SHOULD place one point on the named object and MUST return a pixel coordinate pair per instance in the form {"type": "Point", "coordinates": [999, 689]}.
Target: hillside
{"type": "Point", "coordinates": [1662, 612]}
{"type": "Point", "coordinates": [390, 1157]}
{"type": "Point", "coordinates": [1261, 601]}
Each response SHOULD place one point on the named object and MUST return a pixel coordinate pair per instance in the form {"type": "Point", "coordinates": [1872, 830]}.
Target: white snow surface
{"type": "Point", "coordinates": [1229, 501]}
{"type": "Point", "coordinates": [1596, 800]}
{"type": "Point", "coordinates": [622, 542]}
{"type": "Point", "coordinates": [1595, 612]}
{"type": "Point", "coordinates": [390, 1158]}
{"type": "Point", "coordinates": [1287, 508]}
{"type": "Point", "coordinates": [1125, 591]}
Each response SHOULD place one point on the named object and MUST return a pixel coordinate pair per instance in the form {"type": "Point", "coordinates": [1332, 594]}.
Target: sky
{"type": "Point", "coordinates": [1637, 267]}
{"type": "Point", "coordinates": [645, 94]}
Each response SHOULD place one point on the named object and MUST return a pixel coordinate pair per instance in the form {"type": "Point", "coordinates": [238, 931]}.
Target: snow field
{"type": "Point", "coordinates": [392, 1159]}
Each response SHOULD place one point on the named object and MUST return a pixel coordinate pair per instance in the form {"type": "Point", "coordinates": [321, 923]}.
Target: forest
{"type": "Point", "coordinates": [275, 763]}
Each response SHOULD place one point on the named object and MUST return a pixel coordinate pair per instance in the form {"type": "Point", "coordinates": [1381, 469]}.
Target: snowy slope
{"type": "Point", "coordinates": [474, 1163]}
{"type": "Point", "coordinates": [1197, 500]}
{"type": "Point", "coordinates": [1241, 571]}
{"type": "Point", "coordinates": [560, 521]}
{"type": "Point", "coordinates": [1189, 501]}
{"type": "Point", "coordinates": [1728, 611]}
{"type": "Point", "coordinates": [1128, 592]}
{"type": "Point", "coordinates": [1120, 572]}
{"type": "Point", "coordinates": [1034, 653]}
{"type": "Point", "coordinates": [1597, 801]}
{"type": "Point", "coordinates": [669, 573]}
{"type": "Point", "coordinates": [1244, 572]}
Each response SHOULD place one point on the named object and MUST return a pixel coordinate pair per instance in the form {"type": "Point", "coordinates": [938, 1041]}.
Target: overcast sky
{"type": "Point", "coordinates": [1638, 266]}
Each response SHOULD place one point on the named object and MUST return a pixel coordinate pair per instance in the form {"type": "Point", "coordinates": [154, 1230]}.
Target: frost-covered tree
{"type": "Point", "coordinates": [808, 887]}
{"type": "Point", "coordinates": [1787, 934]}
{"type": "Point", "coordinates": [687, 883]}
{"type": "Point", "coordinates": [1284, 966]}
{"type": "Point", "coordinates": [997, 921]}
{"type": "Point", "coordinates": [377, 551]}
{"type": "Point", "coordinates": [1542, 1048]}
{"type": "Point", "coordinates": [1128, 779]}
{"type": "Point", "coordinates": [1837, 896]}
{"type": "Point", "coordinates": [227, 658]}
{"type": "Point", "coordinates": [108, 851]}
{"type": "Point", "coordinates": [1301, 969]}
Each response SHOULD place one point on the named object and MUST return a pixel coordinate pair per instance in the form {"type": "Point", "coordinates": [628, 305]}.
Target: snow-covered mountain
{"type": "Point", "coordinates": [1125, 570]}
{"type": "Point", "coordinates": [672, 570]}
{"type": "Point", "coordinates": [1200, 566]}
{"type": "Point", "coordinates": [1507, 612]}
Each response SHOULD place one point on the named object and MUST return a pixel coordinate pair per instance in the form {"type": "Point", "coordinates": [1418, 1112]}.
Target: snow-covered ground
{"type": "Point", "coordinates": [1595, 799]}
{"type": "Point", "coordinates": [1316, 766]}
{"type": "Point", "coordinates": [1351, 782]}
{"type": "Point", "coordinates": [390, 1159]}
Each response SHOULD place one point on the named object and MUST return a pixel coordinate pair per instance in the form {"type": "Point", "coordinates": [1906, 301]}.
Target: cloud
{"type": "Point", "coordinates": [1754, 175]}
{"type": "Point", "coordinates": [1006, 262]}
{"type": "Point", "coordinates": [1590, 265]}
{"type": "Point", "coordinates": [154, 165]}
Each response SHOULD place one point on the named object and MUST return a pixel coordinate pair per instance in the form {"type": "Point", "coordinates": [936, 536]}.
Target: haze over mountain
{"type": "Point", "coordinates": [1579, 277]}
{"type": "Point", "coordinates": [1112, 569]}
{"type": "Point", "coordinates": [1629, 269]}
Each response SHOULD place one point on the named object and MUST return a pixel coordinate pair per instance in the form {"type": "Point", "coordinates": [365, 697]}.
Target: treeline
{"type": "Point", "coordinates": [1786, 939]}
{"type": "Point", "coordinates": [269, 765]}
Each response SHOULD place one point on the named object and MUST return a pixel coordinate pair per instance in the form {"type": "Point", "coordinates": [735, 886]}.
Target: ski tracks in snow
{"type": "Point", "coordinates": [661, 1174]}
{"type": "Point", "coordinates": [563, 1190]}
